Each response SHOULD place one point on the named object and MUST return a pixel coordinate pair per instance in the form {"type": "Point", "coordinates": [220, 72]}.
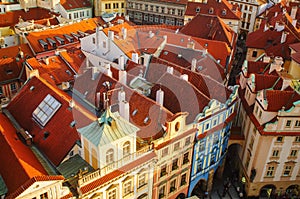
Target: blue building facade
{"type": "Point", "coordinates": [211, 141]}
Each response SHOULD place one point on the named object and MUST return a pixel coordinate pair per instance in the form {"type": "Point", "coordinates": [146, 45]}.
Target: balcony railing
{"type": "Point", "coordinates": [88, 178]}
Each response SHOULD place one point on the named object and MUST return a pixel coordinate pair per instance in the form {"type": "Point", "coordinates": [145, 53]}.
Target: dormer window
{"type": "Point", "coordinates": [224, 12]}
{"type": "Point", "coordinates": [198, 9]}
{"type": "Point", "coordinates": [211, 10]}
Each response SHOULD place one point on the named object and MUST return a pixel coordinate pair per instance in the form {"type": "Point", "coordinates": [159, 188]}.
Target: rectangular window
{"type": "Point", "coordinates": [127, 188]}
{"type": "Point", "coordinates": [146, 7]}
{"type": "Point", "coordinates": [175, 164]}
{"type": "Point", "coordinates": [201, 145]}
{"type": "Point", "coordinates": [94, 40]}
{"type": "Point", "coordinates": [275, 153]}
{"type": "Point", "coordinates": [287, 171]}
{"type": "Point", "coordinates": [216, 139]}
{"type": "Point", "coordinates": [288, 123]}
{"type": "Point", "coordinates": [176, 146]}
{"type": "Point", "coordinates": [187, 141]}
{"type": "Point", "coordinates": [297, 124]}
{"type": "Point", "coordinates": [162, 191]}
{"type": "Point", "coordinates": [87, 13]}
{"type": "Point", "coordinates": [254, 53]}
{"type": "Point", "coordinates": [279, 139]}
{"type": "Point", "coordinates": [70, 16]}
{"type": "Point", "coordinates": [75, 15]}
{"type": "Point", "coordinates": [251, 143]}
{"type": "Point", "coordinates": [46, 109]}
{"type": "Point", "coordinates": [122, 5]}
{"type": "Point", "coordinates": [141, 180]}
{"type": "Point", "coordinates": [297, 139]}
{"type": "Point", "coordinates": [183, 180]}
{"type": "Point", "coordinates": [247, 160]}
{"type": "Point", "coordinates": [146, 17]}
{"type": "Point", "coordinates": [115, 5]}
{"type": "Point", "coordinates": [270, 171]}
{"type": "Point", "coordinates": [13, 87]}
{"type": "Point", "coordinates": [112, 194]}
{"type": "Point", "coordinates": [163, 170]}
{"type": "Point", "coordinates": [165, 152]}
{"type": "Point", "coordinates": [107, 6]}
{"type": "Point", "coordinates": [173, 186]}
{"type": "Point", "coordinates": [44, 196]}
{"type": "Point", "coordinates": [293, 153]}
{"type": "Point", "coordinates": [185, 158]}
{"type": "Point", "coordinates": [1, 91]}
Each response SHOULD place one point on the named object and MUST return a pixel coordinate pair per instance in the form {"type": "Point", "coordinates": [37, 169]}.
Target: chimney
{"type": "Point", "coordinates": [135, 57]}
{"type": "Point", "coordinates": [123, 77]}
{"type": "Point", "coordinates": [124, 110]}
{"type": "Point", "coordinates": [191, 45]}
{"type": "Point", "coordinates": [121, 62]}
{"type": "Point", "coordinates": [124, 33]}
{"type": "Point", "coordinates": [94, 73]}
{"type": "Point", "coordinates": [170, 70]}
{"type": "Point", "coordinates": [184, 77]}
{"type": "Point", "coordinates": [194, 64]}
{"type": "Point", "coordinates": [160, 97]}
{"type": "Point", "coordinates": [151, 34]}
{"type": "Point", "coordinates": [121, 95]}
{"type": "Point", "coordinates": [111, 35]}
{"type": "Point", "coordinates": [283, 37]}
{"type": "Point", "coordinates": [294, 12]}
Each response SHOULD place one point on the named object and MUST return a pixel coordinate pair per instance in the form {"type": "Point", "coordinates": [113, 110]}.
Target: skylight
{"type": "Point", "coordinates": [45, 110]}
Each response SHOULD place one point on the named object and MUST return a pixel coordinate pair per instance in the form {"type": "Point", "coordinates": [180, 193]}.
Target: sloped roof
{"type": "Point", "coordinates": [34, 37]}
{"type": "Point", "coordinates": [277, 99]}
{"type": "Point", "coordinates": [61, 135]}
{"type": "Point", "coordinates": [17, 154]}
{"type": "Point", "coordinates": [209, 27]}
{"type": "Point", "coordinates": [222, 9]}
{"type": "Point", "coordinates": [107, 129]}
{"type": "Point", "coordinates": [75, 4]}
{"type": "Point", "coordinates": [56, 71]}
{"type": "Point", "coordinates": [12, 51]}
{"type": "Point", "coordinates": [11, 18]}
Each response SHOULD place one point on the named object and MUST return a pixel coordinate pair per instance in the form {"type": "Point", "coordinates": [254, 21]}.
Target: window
{"type": "Point", "coordinates": [275, 153]}
{"type": "Point", "coordinates": [146, 17]}
{"type": "Point", "coordinates": [293, 153]}
{"type": "Point", "coordinates": [176, 146]}
{"type": "Point", "coordinates": [156, 19]}
{"type": "Point", "coordinates": [287, 170]}
{"type": "Point", "coordinates": [270, 171]}
{"type": "Point", "coordinates": [180, 12]}
{"type": "Point", "coordinates": [201, 145]}
{"type": "Point", "coordinates": [44, 196]}
{"type": "Point", "coordinates": [112, 194]}
{"type": "Point", "coordinates": [151, 7]}
{"type": "Point", "coordinates": [297, 139]}
{"type": "Point", "coordinates": [87, 13]}
{"type": "Point", "coordinates": [163, 170]}
{"type": "Point", "coordinates": [260, 113]}
{"type": "Point", "coordinates": [81, 14]}
{"type": "Point", "coordinates": [75, 15]}
{"type": "Point", "coordinates": [288, 123]}
{"type": "Point", "coordinates": [110, 156]}
{"type": "Point", "coordinates": [256, 109]}
{"type": "Point", "coordinates": [215, 122]}
{"type": "Point", "coordinates": [13, 87]}
{"type": "Point", "coordinates": [126, 149]}
{"type": "Point", "coordinates": [161, 20]}
{"type": "Point", "coordinates": [122, 5]}
{"type": "Point", "coordinates": [115, 5]}
{"type": "Point", "coordinates": [141, 180]}
{"type": "Point", "coordinates": [185, 158]}
{"type": "Point", "coordinates": [107, 6]}
{"type": "Point", "coordinates": [279, 139]}
{"type": "Point", "coordinates": [248, 160]}
{"type": "Point", "coordinates": [200, 164]}
{"type": "Point", "coordinates": [175, 164]}
{"type": "Point", "coordinates": [198, 9]}
{"type": "Point", "coordinates": [224, 12]}
{"type": "Point", "coordinates": [251, 143]}
{"type": "Point", "coordinates": [216, 139]}
{"type": "Point", "coordinates": [70, 16]}
{"type": "Point", "coordinates": [45, 110]}
{"type": "Point", "coordinates": [211, 10]}
{"type": "Point", "coordinates": [187, 141]}
{"type": "Point", "coordinates": [1, 91]}
{"type": "Point", "coordinates": [165, 152]}
{"type": "Point", "coordinates": [127, 188]}
{"type": "Point", "coordinates": [161, 192]}
{"type": "Point", "coordinates": [297, 123]}
{"type": "Point", "coordinates": [183, 180]}
{"type": "Point", "coordinates": [172, 185]}
{"type": "Point", "coordinates": [94, 40]}
{"type": "Point", "coordinates": [254, 53]}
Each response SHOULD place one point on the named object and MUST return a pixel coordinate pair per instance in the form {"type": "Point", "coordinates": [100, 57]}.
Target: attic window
{"type": "Point", "coordinates": [45, 110]}
{"type": "Point", "coordinates": [46, 135]}
{"type": "Point", "coordinates": [68, 72]}
{"type": "Point", "coordinates": [134, 112]}
{"type": "Point", "coordinates": [146, 120]}
{"type": "Point", "coordinates": [224, 12]}
{"type": "Point", "coordinates": [166, 53]}
{"type": "Point", "coordinates": [198, 9]}
{"type": "Point", "coordinates": [211, 10]}
{"type": "Point", "coordinates": [9, 71]}
{"type": "Point", "coordinates": [70, 5]}
{"type": "Point", "coordinates": [73, 123]}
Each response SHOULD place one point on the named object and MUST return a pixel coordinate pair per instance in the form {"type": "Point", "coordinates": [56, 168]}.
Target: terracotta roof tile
{"type": "Point", "coordinates": [75, 4]}
{"type": "Point", "coordinates": [277, 99]}
{"type": "Point", "coordinates": [209, 27]}
{"type": "Point", "coordinates": [14, 152]}
{"type": "Point", "coordinates": [34, 37]}
{"type": "Point", "coordinates": [11, 18]}
{"type": "Point", "coordinates": [62, 136]}
{"type": "Point", "coordinates": [231, 12]}
{"type": "Point", "coordinates": [123, 170]}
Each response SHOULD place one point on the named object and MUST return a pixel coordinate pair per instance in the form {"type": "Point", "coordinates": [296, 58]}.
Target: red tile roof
{"type": "Point", "coordinates": [11, 18]}
{"type": "Point", "coordinates": [231, 11]}
{"type": "Point", "coordinates": [295, 46]}
{"type": "Point", "coordinates": [12, 51]}
{"type": "Point", "coordinates": [267, 81]}
{"type": "Point", "coordinates": [31, 181]}
{"type": "Point", "coordinates": [56, 71]}
{"type": "Point", "coordinates": [209, 27]}
{"type": "Point", "coordinates": [10, 71]}
{"type": "Point", "coordinates": [121, 171]}
{"type": "Point", "coordinates": [277, 99]}
{"type": "Point", "coordinates": [75, 4]}
{"type": "Point", "coordinates": [34, 37]}
{"type": "Point", "coordinates": [296, 57]}
{"type": "Point", "coordinates": [15, 153]}
{"type": "Point", "coordinates": [62, 136]}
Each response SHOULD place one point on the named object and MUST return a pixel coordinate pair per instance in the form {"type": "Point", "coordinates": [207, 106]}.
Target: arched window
{"type": "Point", "coordinates": [110, 156]}
{"type": "Point", "coordinates": [126, 149]}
